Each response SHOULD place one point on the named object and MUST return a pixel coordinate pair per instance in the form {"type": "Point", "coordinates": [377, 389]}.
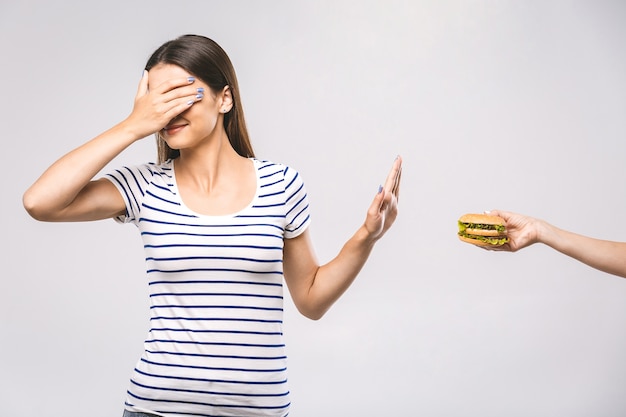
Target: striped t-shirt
{"type": "Point", "coordinates": [215, 345]}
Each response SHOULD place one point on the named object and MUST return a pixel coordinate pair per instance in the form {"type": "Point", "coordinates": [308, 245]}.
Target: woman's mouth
{"type": "Point", "coordinates": [173, 129]}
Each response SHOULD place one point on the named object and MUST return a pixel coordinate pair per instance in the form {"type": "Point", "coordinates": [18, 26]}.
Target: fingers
{"type": "Point", "coordinates": [385, 204]}
{"type": "Point", "coordinates": [396, 190]}
{"type": "Point", "coordinates": [392, 183]}
{"type": "Point", "coordinates": [178, 106]}
{"type": "Point", "coordinates": [506, 215]}
{"type": "Point", "coordinates": [173, 84]}
{"type": "Point", "coordinates": [502, 248]}
{"type": "Point", "coordinates": [384, 207]}
{"type": "Point", "coordinates": [496, 212]}
{"type": "Point", "coordinates": [171, 89]}
{"type": "Point", "coordinates": [179, 94]}
{"type": "Point", "coordinates": [156, 106]}
{"type": "Point", "coordinates": [390, 193]}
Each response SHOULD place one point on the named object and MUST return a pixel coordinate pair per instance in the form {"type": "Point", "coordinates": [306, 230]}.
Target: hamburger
{"type": "Point", "coordinates": [482, 230]}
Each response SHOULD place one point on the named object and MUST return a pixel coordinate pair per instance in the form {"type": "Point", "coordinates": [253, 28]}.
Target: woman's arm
{"type": "Point", "coordinates": [604, 255]}
{"type": "Point", "coordinates": [315, 288]}
{"type": "Point", "coordinates": [66, 191]}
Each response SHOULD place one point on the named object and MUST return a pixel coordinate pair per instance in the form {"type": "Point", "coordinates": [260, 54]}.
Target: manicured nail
{"type": "Point", "coordinates": [200, 90]}
{"type": "Point", "coordinates": [191, 79]}
{"type": "Point", "coordinates": [190, 102]}
{"type": "Point", "coordinates": [380, 189]}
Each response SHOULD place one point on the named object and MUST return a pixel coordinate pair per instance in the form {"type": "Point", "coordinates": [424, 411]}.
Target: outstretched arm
{"type": "Point", "coordinates": [315, 288]}
{"type": "Point", "coordinates": [604, 255]}
{"type": "Point", "coordinates": [66, 191]}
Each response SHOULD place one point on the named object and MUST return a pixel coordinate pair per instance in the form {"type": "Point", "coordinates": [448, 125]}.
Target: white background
{"type": "Point", "coordinates": [492, 104]}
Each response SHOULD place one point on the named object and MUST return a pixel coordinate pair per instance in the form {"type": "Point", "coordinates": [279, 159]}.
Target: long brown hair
{"type": "Point", "coordinates": [205, 59]}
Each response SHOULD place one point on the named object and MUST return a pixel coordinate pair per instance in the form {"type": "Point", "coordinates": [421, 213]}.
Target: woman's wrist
{"type": "Point", "coordinates": [545, 233]}
{"type": "Point", "coordinates": [363, 237]}
{"type": "Point", "coordinates": [130, 131]}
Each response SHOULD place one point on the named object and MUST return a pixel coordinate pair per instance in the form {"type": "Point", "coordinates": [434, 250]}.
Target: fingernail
{"type": "Point", "coordinates": [200, 90]}
{"type": "Point", "coordinates": [191, 79]}
{"type": "Point", "coordinates": [199, 96]}
{"type": "Point", "coordinates": [190, 102]}
{"type": "Point", "coordinates": [380, 189]}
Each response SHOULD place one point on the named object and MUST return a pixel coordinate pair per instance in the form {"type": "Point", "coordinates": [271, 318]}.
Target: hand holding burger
{"type": "Point", "coordinates": [523, 231]}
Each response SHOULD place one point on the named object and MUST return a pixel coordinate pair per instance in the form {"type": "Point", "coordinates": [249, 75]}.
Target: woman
{"type": "Point", "coordinates": [221, 229]}
{"type": "Point", "coordinates": [523, 231]}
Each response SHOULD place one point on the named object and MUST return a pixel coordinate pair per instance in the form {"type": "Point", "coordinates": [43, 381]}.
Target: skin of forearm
{"type": "Point", "coordinates": [604, 255]}
{"type": "Point", "coordinates": [335, 277]}
{"type": "Point", "coordinates": [59, 185]}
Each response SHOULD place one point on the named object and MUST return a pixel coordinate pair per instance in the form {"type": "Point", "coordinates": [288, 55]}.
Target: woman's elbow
{"type": "Point", "coordinates": [34, 207]}
{"type": "Point", "coordinates": [314, 317]}
{"type": "Point", "coordinates": [312, 312]}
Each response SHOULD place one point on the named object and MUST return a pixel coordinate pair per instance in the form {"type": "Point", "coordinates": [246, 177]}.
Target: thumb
{"type": "Point", "coordinates": [378, 202]}
{"type": "Point", "coordinates": [143, 85]}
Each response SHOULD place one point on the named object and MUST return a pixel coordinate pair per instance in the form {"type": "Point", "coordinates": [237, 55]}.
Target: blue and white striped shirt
{"type": "Point", "coordinates": [215, 345]}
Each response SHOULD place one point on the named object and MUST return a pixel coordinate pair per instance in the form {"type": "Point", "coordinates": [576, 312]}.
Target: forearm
{"type": "Point", "coordinates": [334, 278]}
{"type": "Point", "coordinates": [315, 288]}
{"type": "Point", "coordinates": [604, 255]}
{"type": "Point", "coordinates": [59, 185]}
